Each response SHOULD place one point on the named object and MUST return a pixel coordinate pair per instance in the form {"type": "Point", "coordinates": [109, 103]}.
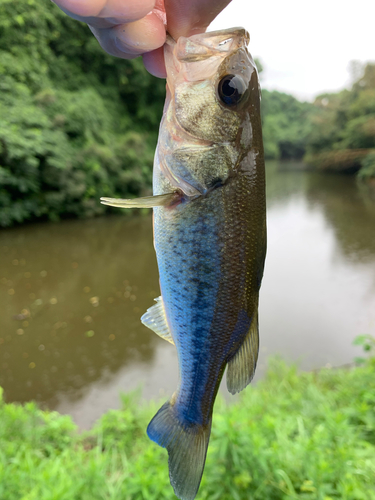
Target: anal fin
{"type": "Point", "coordinates": [155, 319]}
{"type": "Point", "coordinates": [241, 367]}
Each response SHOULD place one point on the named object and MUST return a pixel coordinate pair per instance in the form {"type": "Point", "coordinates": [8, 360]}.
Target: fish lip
{"type": "Point", "coordinates": [237, 32]}
{"type": "Point", "coordinates": [209, 44]}
{"type": "Point", "coordinates": [170, 40]}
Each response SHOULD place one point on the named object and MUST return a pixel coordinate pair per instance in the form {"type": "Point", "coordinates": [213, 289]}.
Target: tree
{"type": "Point", "coordinates": [286, 125]}
{"type": "Point", "coordinates": [73, 128]}
{"type": "Point", "coordinates": [343, 132]}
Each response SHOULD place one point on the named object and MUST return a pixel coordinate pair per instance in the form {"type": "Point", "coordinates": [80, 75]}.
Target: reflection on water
{"type": "Point", "coordinates": [71, 295]}
{"type": "Point", "coordinates": [319, 287]}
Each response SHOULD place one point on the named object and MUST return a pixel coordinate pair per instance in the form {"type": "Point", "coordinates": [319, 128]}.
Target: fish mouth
{"type": "Point", "coordinates": [204, 45]}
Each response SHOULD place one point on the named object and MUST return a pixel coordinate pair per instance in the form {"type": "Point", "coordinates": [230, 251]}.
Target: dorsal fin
{"type": "Point", "coordinates": [241, 367]}
{"type": "Point", "coordinates": [155, 319]}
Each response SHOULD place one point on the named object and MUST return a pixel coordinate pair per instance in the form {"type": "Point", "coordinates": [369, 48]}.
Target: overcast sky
{"type": "Point", "coordinates": [305, 47]}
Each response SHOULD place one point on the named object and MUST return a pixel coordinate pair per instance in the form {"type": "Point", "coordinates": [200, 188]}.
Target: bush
{"type": "Point", "coordinates": [286, 125]}
{"type": "Point", "coordinates": [368, 167]}
{"type": "Point", "coordinates": [343, 132]}
{"type": "Point", "coordinates": [294, 435]}
{"type": "Point", "coordinates": [76, 123]}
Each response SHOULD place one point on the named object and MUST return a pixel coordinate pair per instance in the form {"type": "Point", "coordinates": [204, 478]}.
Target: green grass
{"type": "Point", "coordinates": [307, 436]}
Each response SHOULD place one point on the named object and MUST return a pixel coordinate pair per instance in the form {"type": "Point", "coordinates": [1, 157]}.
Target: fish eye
{"type": "Point", "coordinates": [231, 88]}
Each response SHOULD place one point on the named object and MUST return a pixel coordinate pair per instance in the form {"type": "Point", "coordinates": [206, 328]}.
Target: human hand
{"type": "Point", "coordinates": [129, 28]}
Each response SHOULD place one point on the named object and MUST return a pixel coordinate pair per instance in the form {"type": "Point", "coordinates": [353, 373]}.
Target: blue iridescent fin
{"type": "Point", "coordinates": [187, 448]}
{"type": "Point", "coordinates": [241, 367]}
{"type": "Point", "coordinates": [155, 319]}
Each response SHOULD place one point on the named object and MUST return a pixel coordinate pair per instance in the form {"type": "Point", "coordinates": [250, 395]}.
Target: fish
{"type": "Point", "coordinates": [209, 219]}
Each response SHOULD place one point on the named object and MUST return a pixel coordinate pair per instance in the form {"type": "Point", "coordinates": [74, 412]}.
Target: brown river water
{"type": "Point", "coordinates": [72, 293]}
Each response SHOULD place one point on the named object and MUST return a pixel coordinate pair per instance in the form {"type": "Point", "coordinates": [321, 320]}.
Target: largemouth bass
{"type": "Point", "coordinates": [209, 237]}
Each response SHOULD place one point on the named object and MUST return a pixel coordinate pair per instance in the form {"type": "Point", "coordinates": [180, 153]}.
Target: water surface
{"type": "Point", "coordinates": [72, 293]}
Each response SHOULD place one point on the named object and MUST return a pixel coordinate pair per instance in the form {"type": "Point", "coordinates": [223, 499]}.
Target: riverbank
{"type": "Point", "coordinates": [293, 436]}
{"type": "Point", "coordinates": [347, 161]}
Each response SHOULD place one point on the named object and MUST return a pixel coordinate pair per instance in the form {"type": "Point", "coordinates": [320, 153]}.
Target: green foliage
{"type": "Point", "coordinates": [345, 122]}
{"type": "Point", "coordinates": [342, 160]}
{"type": "Point", "coordinates": [286, 125]}
{"type": "Point", "coordinates": [368, 166]}
{"type": "Point", "coordinates": [306, 436]}
{"type": "Point", "coordinates": [76, 123]}
{"type": "Point", "coordinates": [368, 344]}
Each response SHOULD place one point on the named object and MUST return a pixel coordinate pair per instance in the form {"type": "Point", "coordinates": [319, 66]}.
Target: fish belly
{"type": "Point", "coordinates": [208, 279]}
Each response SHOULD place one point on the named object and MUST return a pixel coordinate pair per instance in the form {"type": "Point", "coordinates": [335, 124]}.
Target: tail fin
{"type": "Point", "coordinates": [187, 448]}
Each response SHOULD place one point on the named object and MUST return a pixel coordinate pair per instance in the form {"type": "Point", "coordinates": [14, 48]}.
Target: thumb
{"type": "Point", "coordinates": [185, 18]}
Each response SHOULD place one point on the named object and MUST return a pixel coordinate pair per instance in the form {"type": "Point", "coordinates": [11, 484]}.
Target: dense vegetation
{"type": "Point", "coordinates": [335, 133]}
{"type": "Point", "coordinates": [286, 125]}
{"type": "Point", "coordinates": [77, 124]}
{"type": "Point", "coordinates": [304, 436]}
{"type": "Point", "coordinates": [342, 135]}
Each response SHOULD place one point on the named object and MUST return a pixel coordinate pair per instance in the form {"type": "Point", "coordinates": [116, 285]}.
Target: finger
{"type": "Point", "coordinates": [184, 18]}
{"type": "Point", "coordinates": [81, 8]}
{"type": "Point", "coordinates": [108, 42]}
{"type": "Point", "coordinates": [105, 13]}
{"type": "Point", "coordinates": [154, 63]}
{"type": "Point", "coordinates": [133, 39]}
{"type": "Point", "coordinates": [144, 35]}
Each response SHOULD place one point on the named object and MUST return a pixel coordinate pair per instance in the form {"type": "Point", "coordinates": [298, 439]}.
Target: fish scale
{"type": "Point", "coordinates": [196, 271]}
{"type": "Point", "coordinates": [209, 236]}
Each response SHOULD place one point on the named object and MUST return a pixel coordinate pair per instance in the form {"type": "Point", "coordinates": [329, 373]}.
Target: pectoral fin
{"type": "Point", "coordinates": [156, 320]}
{"type": "Point", "coordinates": [161, 200]}
{"type": "Point", "coordinates": [241, 367]}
